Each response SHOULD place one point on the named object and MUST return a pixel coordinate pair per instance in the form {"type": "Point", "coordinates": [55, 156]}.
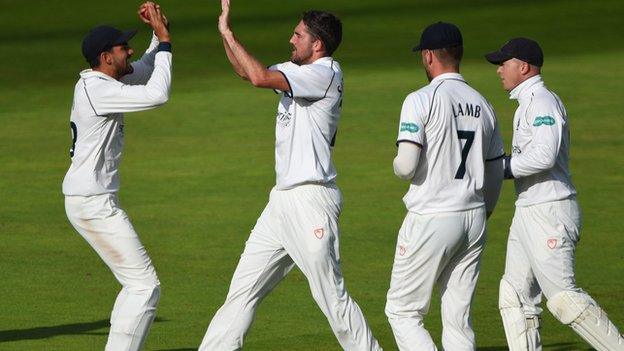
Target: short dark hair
{"type": "Point", "coordinates": [324, 26]}
{"type": "Point", "coordinates": [95, 62]}
{"type": "Point", "coordinates": [450, 56]}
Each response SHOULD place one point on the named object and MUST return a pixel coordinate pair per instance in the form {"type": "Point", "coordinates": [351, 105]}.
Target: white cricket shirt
{"type": "Point", "coordinates": [541, 144]}
{"type": "Point", "coordinates": [97, 120]}
{"type": "Point", "coordinates": [306, 123]}
{"type": "Point", "coordinates": [458, 132]}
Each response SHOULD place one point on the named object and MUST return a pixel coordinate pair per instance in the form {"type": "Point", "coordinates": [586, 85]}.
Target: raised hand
{"type": "Point", "coordinates": [151, 14]}
{"type": "Point", "coordinates": [163, 16]}
{"type": "Point", "coordinates": [143, 16]}
{"type": "Point", "coordinates": [224, 19]}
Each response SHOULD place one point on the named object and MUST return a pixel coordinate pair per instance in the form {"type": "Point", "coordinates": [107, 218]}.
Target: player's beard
{"type": "Point", "coordinates": [124, 67]}
{"type": "Point", "coordinates": [299, 57]}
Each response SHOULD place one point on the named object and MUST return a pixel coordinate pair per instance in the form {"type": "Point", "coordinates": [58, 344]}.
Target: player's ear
{"type": "Point", "coordinates": [525, 68]}
{"type": "Point", "coordinates": [106, 57]}
{"type": "Point", "coordinates": [318, 45]}
{"type": "Point", "coordinates": [427, 56]}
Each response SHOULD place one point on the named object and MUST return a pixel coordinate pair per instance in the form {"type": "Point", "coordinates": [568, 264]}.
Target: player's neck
{"type": "Point", "coordinates": [108, 70]}
{"type": "Point", "coordinates": [436, 71]}
{"type": "Point", "coordinates": [315, 56]}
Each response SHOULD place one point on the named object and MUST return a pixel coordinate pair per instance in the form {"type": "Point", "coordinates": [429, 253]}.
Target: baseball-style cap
{"type": "Point", "coordinates": [523, 49]}
{"type": "Point", "coordinates": [439, 35]}
{"type": "Point", "coordinates": [102, 38]}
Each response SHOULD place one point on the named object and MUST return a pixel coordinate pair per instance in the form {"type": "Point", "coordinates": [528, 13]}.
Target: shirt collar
{"type": "Point", "coordinates": [527, 87]}
{"type": "Point", "coordinates": [445, 76]}
{"type": "Point", "coordinates": [323, 59]}
{"type": "Point", "coordinates": [92, 73]}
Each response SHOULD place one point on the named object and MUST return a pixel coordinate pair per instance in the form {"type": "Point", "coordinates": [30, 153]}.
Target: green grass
{"type": "Point", "coordinates": [197, 172]}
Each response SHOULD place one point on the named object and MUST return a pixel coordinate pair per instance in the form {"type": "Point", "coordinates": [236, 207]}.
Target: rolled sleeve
{"type": "Point", "coordinates": [306, 81]}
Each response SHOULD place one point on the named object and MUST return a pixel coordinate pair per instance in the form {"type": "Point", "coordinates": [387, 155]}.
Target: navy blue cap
{"type": "Point", "coordinates": [523, 49]}
{"type": "Point", "coordinates": [438, 36]}
{"type": "Point", "coordinates": [102, 38]}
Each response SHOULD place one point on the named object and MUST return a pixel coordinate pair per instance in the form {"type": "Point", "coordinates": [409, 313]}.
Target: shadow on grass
{"type": "Point", "coordinates": [56, 330]}
{"type": "Point", "coordinates": [563, 346]}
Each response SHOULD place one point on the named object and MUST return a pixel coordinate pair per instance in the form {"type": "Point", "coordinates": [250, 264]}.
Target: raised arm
{"type": "Point", "coordinates": [244, 64]}
{"type": "Point", "coordinates": [224, 20]}
{"type": "Point", "coordinates": [114, 97]}
{"type": "Point", "coordinates": [143, 68]}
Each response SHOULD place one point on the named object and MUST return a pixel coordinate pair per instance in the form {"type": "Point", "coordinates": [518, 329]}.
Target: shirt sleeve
{"type": "Point", "coordinates": [116, 97]}
{"type": "Point", "coordinates": [144, 66]}
{"type": "Point", "coordinates": [546, 124]}
{"type": "Point", "coordinates": [496, 149]}
{"type": "Point", "coordinates": [493, 180]}
{"type": "Point", "coordinates": [412, 123]}
{"type": "Point", "coordinates": [306, 81]}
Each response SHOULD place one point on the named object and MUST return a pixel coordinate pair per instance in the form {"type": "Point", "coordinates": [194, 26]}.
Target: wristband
{"type": "Point", "coordinates": [507, 161]}
{"type": "Point", "coordinates": [164, 46]}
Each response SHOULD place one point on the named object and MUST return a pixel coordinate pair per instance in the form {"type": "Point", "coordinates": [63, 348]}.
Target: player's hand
{"type": "Point", "coordinates": [163, 16]}
{"type": "Point", "coordinates": [152, 14]}
{"type": "Point", "coordinates": [143, 15]}
{"type": "Point", "coordinates": [224, 19]}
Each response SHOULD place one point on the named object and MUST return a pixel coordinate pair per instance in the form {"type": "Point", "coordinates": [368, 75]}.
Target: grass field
{"type": "Point", "coordinates": [197, 172]}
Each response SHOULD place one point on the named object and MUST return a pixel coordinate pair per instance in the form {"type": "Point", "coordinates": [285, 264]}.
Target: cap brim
{"type": "Point", "coordinates": [417, 48]}
{"type": "Point", "coordinates": [497, 57]}
{"type": "Point", "coordinates": [125, 37]}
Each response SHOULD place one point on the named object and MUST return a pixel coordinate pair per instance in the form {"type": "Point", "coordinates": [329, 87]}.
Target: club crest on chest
{"type": "Point", "coordinates": [319, 233]}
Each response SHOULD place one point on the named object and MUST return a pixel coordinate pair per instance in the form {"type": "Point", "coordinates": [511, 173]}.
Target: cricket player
{"type": "Point", "coordinates": [450, 149]}
{"type": "Point", "coordinates": [102, 94]}
{"type": "Point", "coordinates": [299, 225]}
{"type": "Point", "coordinates": [547, 222]}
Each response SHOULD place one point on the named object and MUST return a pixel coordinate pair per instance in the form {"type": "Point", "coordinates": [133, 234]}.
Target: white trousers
{"type": "Point", "coordinates": [443, 249]}
{"type": "Point", "coordinates": [106, 227]}
{"type": "Point", "coordinates": [540, 251]}
{"type": "Point", "coordinates": [298, 226]}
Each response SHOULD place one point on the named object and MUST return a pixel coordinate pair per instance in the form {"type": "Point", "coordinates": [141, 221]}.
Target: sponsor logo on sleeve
{"type": "Point", "coordinates": [409, 127]}
{"type": "Point", "coordinates": [543, 121]}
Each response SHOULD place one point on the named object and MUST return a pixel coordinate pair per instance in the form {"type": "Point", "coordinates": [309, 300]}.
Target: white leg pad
{"type": "Point", "coordinates": [587, 319]}
{"type": "Point", "coordinates": [521, 331]}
